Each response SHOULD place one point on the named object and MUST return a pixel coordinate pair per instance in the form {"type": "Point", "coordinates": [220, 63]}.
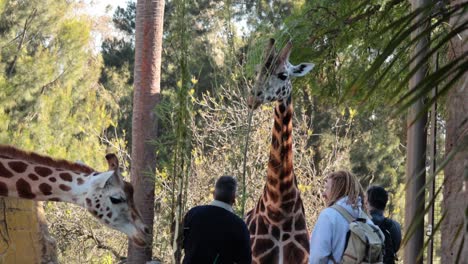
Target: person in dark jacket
{"type": "Point", "coordinates": [213, 233]}
{"type": "Point", "coordinates": [377, 198]}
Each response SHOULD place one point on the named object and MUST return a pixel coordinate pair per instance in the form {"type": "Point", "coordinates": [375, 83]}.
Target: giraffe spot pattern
{"type": "Point", "coordinates": [18, 166]}
{"type": "Point", "coordinates": [88, 202]}
{"type": "Point", "coordinates": [66, 176]}
{"type": "Point", "coordinates": [55, 199]}
{"type": "Point", "coordinates": [285, 185]}
{"type": "Point", "coordinates": [287, 118]}
{"type": "Point", "coordinates": [274, 197]}
{"type": "Point", "coordinates": [261, 226]}
{"type": "Point", "coordinates": [272, 181]}
{"type": "Point", "coordinates": [45, 188]}
{"type": "Point", "coordinates": [43, 171]}
{"type": "Point", "coordinates": [262, 207]}
{"type": "Point", "coordinates": [275, 216]}
{"type": "Point", "coordinates": [4, 172]}
{"type": "Point", "coordinates": [287, 206]}
{"type": "Point", "coordinates": [109, 215]}
{"type": "Point", "coordinates": [33, 176]}
{"type": "Point", "coordinates": [24, 189]}
{"type": "Point", "coordinates": [80, 181]}
{"type": "Point", "coordinates": [275, 232]}
{"type": "Point", "coordinates": [274, 142]}
{"type": "Point", "coordinates": [3, 189]}
{"type": "Point", "coordinates": [292, 253]}
{"type": "Point", "coordinates": [262, 245]}
{"type": "Point", "coordinates": [280, 167]}
{"type": "Point", "coordinates": [98, 205]}
{"type": "Point", "coordinates": [277, 115]}
{"type": "Point", "coordinates": [281, 108]}
{"type": "Point", "coordinates": [274, 164]}
{"type": "Point", "coordinates": [289, 196]}
{"type": "Point", "coordinates": [286, 173]}
{"type": "Point", "coordinates": [52, 179]}
{"type": "Point", "coordinates": [252, 227]}
{"type": "Point", "coordinates": [64, 187]}
{"type": "Point", "coordinates": [287, 225]}
{"type": "Point", "coordinates": [271, 257]}
{"type": "Point", "coordinates": [298, 206]}
{"type": "Point", "coordinates": [277, 127]}
{"type": "Point", "coordinates": [299, 223]}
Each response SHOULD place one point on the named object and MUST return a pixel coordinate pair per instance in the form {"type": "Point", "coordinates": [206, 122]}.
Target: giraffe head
{"type": "Point", "coordinates": [273, 80]}
{"type": "Point", "coordinates": [111, 202]}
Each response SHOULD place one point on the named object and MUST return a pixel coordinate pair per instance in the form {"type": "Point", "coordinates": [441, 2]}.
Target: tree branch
{"type": "Point", "coordinates": [20, 45]}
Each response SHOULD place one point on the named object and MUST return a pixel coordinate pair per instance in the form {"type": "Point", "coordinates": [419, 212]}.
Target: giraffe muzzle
{"type": "Point", "coordinates": [142, 238]}
{"type": "Point", "coordinates": [253, 103]}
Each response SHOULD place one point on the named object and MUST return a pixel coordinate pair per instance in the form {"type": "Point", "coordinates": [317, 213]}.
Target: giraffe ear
{"type": "Point", "coordinates": [112, 161]}
{"type": "Point", "coordinates": [115, 178]}
{"type": "Point", "coordinates": [301, 69]}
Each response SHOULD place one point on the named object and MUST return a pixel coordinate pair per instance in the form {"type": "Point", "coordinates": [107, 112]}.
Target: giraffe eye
{"type": "Point", "coordinates": [282, 76]}
{"type": "Point", "coordinates": [116, 200]}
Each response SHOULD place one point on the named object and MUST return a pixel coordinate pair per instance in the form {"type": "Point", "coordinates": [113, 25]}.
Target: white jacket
{"type": "Point", "coordinates": [329, 234]}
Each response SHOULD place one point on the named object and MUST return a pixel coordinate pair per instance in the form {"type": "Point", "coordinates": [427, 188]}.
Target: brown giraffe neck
{"type": "Point", "coordinates": [278, 232]}
{"type": "Point", "coordinates": [35, 177]}
{"type": "Point", "coordinates": [280, 173]}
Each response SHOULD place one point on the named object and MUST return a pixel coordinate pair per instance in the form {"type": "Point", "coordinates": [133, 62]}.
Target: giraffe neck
{"type": "Point", "coordinates": [280, 175]}
{"type": "Point", "coordinates": [30, 176]}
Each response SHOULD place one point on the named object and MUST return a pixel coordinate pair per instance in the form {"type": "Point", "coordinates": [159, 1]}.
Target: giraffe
{"type": "Point", "coordinates": [277, 226]}
{"type": "Point", "coordinates": [105, 195]}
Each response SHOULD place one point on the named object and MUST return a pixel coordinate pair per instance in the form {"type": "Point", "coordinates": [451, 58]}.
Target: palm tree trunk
{"type": "Point", "coordinates": [148, 49]}
{"type": "Point", "coordinates": [455, 223]}
{"type": "Point", "coordinates": [416, 150]}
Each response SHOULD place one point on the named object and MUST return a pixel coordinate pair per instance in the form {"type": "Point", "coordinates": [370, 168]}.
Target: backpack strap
{"type": "Point", "coordinates": [385, 226]}
{"type": "Point", "coordinates": [343, 212]}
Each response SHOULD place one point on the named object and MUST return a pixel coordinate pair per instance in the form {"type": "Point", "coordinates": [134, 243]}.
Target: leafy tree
{"type": "Point", "coordinates": [50, 100]}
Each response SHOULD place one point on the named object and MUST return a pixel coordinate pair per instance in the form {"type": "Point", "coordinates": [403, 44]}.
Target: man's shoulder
{"type": "Point", "coordinates": [208, 209]}
{"type": "Point", "coordinates": [394, 222]}
{"type": "Point", "coordinates": [390, 224]}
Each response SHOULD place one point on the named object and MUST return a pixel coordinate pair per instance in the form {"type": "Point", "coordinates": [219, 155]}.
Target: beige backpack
{"type": "Point", "coordinates": [365, 242]}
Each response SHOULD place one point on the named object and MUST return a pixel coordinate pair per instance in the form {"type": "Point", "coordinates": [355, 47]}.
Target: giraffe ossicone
{"type": "Point", "coordinates": [277, 225]}
{"type": "Point", "coordinates": [105, 195]}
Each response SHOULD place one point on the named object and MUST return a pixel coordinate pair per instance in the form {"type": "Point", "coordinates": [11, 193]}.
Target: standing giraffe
{"type": "Point", "coordinates": [277, 226]}
{"type": "Point", "coordinates": [105, 195]}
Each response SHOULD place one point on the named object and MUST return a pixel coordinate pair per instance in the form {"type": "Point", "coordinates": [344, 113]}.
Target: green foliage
{"type": "Point", "coordinates": [50, 100]}
{"type": "Point", "coordinates": [58, 97]}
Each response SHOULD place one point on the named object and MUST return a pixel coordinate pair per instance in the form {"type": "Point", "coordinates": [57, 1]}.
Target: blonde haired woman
{"type": "Point", "coordinates": [328, 238]}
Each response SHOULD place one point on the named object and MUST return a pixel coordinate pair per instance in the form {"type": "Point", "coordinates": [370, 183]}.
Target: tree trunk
{"type": "Point", "coordinates": [148, 49]}
{"type": "Point", "coordinates": [24, 237]}
{"type": "Point", "coordinates": [416, 151]}
{"type": "Point", "coordinates": [454, 225]}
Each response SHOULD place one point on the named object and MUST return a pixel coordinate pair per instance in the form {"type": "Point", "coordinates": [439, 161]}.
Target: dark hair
{"type": "Point", "coordinates": [225, 189]}
{"type": "Point", "coordinates": [377, 197]}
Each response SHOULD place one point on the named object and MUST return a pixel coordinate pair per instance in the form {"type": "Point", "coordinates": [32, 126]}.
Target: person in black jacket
{"type": "Point", "coordinates": [213, 233]}
{"type": "Point", "coordinates": [377, 198]}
